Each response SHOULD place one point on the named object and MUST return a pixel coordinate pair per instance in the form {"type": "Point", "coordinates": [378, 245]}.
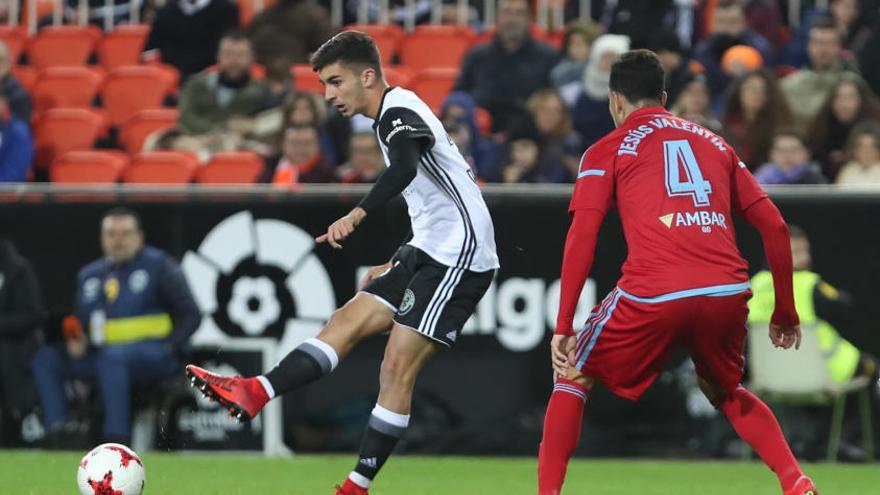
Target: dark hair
{"type": "Point", "coordinates": [826, 23]}
{"type": "Point", "coordinates": [124, 211]}
{"type": "Point", "coordinates": [320, 114]}
{"type": "Point", "coordinates": [865, 128]}
{"type": "Point", "coordinates": [825, 120]}
{"type": "Point", "coordinates": [775, 113]}
{"type": "Point", "coordinates": [348, 48]}
{"type": "Point", "coordinates": [235, 34]}
{"type": "Point", "coordinates": [638, 76]}
{"type": "Point", "coordinates": [793, 132]}
{"type": "Point", "coordinates": [726, 4]}
{"type": "Point", "coordinates": [796, 232]}
{"type": "Point", "coordinates": [589, 30]}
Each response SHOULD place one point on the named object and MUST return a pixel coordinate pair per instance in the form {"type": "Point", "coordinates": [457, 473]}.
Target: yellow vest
{"type": "Point", "coordinates": [841, 357]}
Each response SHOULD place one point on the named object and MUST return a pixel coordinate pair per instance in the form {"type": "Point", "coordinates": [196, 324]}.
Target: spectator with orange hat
{"type": "Point", "coordinates": [729, 28]}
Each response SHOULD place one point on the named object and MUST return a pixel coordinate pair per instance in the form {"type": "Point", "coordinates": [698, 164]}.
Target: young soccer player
{"type": "Point", "coordinates": [684, 282]}
{"type": "Point", "coordinates": [428, 290]}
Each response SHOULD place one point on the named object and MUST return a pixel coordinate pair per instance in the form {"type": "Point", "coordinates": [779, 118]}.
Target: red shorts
{"type": "Point", "coordinates": [627, 339]}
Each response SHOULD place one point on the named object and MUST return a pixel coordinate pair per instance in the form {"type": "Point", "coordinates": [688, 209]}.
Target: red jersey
{"type": "Point", "coordinates": [675, 185]}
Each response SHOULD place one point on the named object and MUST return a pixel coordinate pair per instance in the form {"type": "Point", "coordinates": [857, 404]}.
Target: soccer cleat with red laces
{"type": "Point", "coordinates": [243, 397]}
{"type": "Point", "coordinates": [803, 486]}
{"type": "Point", "coordinates": [350, 488]}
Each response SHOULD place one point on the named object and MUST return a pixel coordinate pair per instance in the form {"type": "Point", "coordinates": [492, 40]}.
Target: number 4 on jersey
{"type": "Point", "coordinates": [679, 156]}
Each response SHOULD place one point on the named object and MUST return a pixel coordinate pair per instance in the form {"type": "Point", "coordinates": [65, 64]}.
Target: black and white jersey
{"type": "Point", "coordinates": [450, 220]}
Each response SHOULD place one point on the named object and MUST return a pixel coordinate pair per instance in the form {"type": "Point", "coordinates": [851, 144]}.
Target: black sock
{"type": "Point", "coordinates": [310, 361]}
{"type": "Point", "coordinates": [383, 431]}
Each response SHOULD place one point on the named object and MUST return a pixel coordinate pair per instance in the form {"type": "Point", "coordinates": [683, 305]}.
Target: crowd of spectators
{"type": "Point", "coordinates": [733, 66]}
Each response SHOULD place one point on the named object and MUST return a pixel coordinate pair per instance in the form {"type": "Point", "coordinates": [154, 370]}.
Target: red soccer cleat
{"type": "Point", "coordinates": [244, 397]}
{"type": "Point", "coordinates": [803, 486]}
{"type": "Point", "coordinates": [350, 488]}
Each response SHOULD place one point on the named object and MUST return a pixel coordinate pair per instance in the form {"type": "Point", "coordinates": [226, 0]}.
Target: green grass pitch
{"type": "Point", "coordinates": [39, 473]}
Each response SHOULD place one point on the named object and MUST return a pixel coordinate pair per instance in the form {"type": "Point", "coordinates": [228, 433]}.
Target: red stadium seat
{"type": "Point", "coordinates": [26, 75]}
{"type": "Point", "coordinates": [387, 37]}
{"type": "Point", "coordinates": [67, 87]}
{"type": "Point", "coordinates": [136, 129]}
{"type": "Point", "coordinates": [15, 38]}
{"type": "Point", "coordinates": [160, 167]}
{"type": "Point", "coordinates": [62, 46]}
{"type": "Point", "coordinates": [432, 85]}
{"type": "Point", "coordinates": [305, 79]}
{"type": "Point", "coordinates": [231, 167]}
{"type": "Point", "coordinates": [433, 46]}
{"type": "Point", "coordinates": [122, 46]}
{"type": "Point", "coordinates": [88, 167]}
{"type": "Point", "coordinates": [130, 89]}
{"type": "Point", "coordinates": [398, 75]}
{"type": "Point", "coordinates": [60, 130]}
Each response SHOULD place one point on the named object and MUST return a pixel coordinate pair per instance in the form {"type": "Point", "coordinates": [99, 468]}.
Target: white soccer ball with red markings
{"type": "Point", "coordinates": [111, 469]}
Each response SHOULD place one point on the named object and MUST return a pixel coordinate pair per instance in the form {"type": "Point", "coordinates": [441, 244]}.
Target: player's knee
{"type": "Point", "coordinates": [576, 376]}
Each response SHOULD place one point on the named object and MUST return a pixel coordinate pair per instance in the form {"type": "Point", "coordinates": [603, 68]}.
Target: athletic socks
{"type": "Point", "coordinates": [755, 423]}
{"type": "Point", "coordinates": [562, 431]}
{"type": "Point", "coordinates": [383, 431]}
{"type": "Point", "coordinates": [310, 361]}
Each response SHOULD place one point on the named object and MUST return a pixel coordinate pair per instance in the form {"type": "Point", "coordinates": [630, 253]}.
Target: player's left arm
{"type": "Point", "coordinates": [407, 136]}
{"type": "Point", "coordinates": [592, 197]}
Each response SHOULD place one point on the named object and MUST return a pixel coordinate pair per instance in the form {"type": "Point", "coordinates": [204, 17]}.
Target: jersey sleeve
{"type": "Point", "coordinates": [399, 123]}
{"type": "Point", "coordinates": [745, 190]}
{"type": "Point", "coordinates": [594, 186]}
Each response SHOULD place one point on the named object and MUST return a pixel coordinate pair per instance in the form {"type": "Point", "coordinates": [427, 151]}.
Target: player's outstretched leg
{"type": "Point", "coordinates": [361, 317]}
{"type": "Point", "coordinates": [562, 430]}
{"type": "Point", "coordinates": [755, 423]}
{"type": "Point", "coordinates": [405, 355]}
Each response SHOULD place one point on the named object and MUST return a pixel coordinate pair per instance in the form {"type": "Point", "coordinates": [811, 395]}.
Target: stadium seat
{"type": "Point", "coordinates": [398, 75]}
{"type": "Point", "coordinates": [432, 85]}
{"type": "Point", "coordinates": [136, 129]}
{"type": "Point", "coordinates": [771, 378]}
{"type": "Point", "coordinates": [67, 87]}
{"type": "Point", "coordinates": [60, 130]}
{"type": "Point", "coordinates": [122, 46]}
{"type": "Point", "coordinates": [160, 167]}
{"type": "Point", "coordinates": [88, 167]}
{"type": "Point", "coordinates": [387, 37]}
{"type": "Point", "coordinates": [305, 79]}
{"type": "Point", "coordinates": [432, 46]}
{"type": "Point", "coordinates": [132, 88]}
{"type": "Point", "coordinates": [231, 167]}
{"type": "Point", "coordinates": [26, 75]}
{"type": "Point", "coordinates": [15, 38]}
{"type": "Point", "coordinates": [62, 46]}
{"type": "Point", "coordinates": [171, 76]}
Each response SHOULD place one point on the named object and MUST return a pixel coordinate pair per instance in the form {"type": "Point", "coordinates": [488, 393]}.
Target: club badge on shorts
{"type": "Point", "coordinates": [409, 300]}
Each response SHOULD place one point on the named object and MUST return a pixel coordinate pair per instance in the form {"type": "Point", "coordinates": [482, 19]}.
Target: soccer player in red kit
{"type": "Point", "coordinates": [684, 283]}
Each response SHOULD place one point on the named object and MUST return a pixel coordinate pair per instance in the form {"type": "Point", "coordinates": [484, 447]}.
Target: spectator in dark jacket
{"type": "Point", "coordinates": [135, 313]}
{"type": "Point", "coordinates": [16, 147]}
{"type": "Point", "coordinates": [17, 98]}
{"type": "Point", "coordinates": [21, 314]}
{"type": "Point", "coordinates": [186, 33]}
{"type": "Point", "coordinates": [502, 73]}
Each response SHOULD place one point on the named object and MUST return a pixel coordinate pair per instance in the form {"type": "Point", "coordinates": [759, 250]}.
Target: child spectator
{"type": "Point", "coordinates": [790, 162]}
{"type": "Point", "coordinates": [863, 149]}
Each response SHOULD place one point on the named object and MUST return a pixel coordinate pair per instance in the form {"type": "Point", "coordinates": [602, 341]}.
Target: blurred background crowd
{"type": "Point", "coordinates": [791, 85]}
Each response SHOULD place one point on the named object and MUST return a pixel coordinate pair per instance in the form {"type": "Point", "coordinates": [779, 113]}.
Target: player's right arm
{"type": "Point", "coordinates": [752, 202]}
{"type": "Point", "coordinates": [592, 197]}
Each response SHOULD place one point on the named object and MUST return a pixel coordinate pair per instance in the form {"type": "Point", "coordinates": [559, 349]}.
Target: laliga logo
{"type": "Point", "coordinates": [259, 278]}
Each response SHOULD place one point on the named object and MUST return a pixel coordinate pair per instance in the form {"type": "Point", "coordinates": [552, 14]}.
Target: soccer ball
{"type": "Point", "coordinates": [111, 469]}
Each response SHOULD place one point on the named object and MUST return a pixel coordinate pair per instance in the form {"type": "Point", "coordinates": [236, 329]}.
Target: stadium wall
{"type": "Point", "coordinates": [486, 396]}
